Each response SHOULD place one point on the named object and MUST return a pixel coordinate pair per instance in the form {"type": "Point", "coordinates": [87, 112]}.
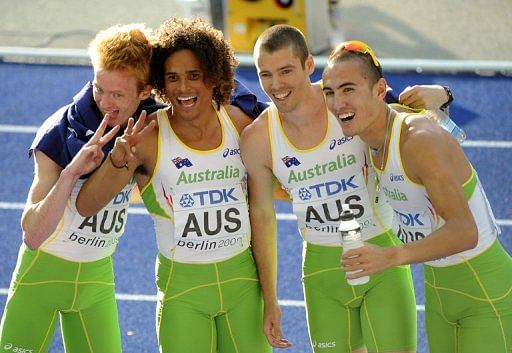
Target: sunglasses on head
{"type": "Point", "coordinates": [357, 47]}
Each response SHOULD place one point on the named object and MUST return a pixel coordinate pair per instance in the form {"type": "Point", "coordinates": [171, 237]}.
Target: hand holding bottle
{"type": "Point", "coordinates": [351, 238]}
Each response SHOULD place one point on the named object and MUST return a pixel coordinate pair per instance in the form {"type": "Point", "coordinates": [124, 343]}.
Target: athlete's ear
{"type": "Point", "coordinates": [309, 64]}
{"type": "Point", "coordinates": [380, 88]}
{"type": "Point", "coordinates": [146, 92]}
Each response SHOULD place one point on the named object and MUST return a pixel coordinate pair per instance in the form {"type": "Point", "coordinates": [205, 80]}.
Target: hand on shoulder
{"type": "Point", "coordinates": [238, 117]}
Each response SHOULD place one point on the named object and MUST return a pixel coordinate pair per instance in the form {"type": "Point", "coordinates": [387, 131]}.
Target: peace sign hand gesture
{"type": "Point", "coordinates": [91, 154]}
{"type": "Point", "coordinates": [124, 152]}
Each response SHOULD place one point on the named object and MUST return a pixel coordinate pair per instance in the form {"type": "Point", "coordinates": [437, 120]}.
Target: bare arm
{"type": "Point", "coordinates": [442, 174]}
{"type": "Point", "coordinates": [117, 169]}
{"type": "Point", "coordinates": [426, 162]}
{"type": "Point", "coordinates": [256, 155]}
{"type": "Point", "coordinates": [238, 117]}
{"type": "Point", "coordinates": [423, 96]}
{"type": "Point", "coordinates": [241, 121]}
{"type": "Point", "coordinates": [52, 187]}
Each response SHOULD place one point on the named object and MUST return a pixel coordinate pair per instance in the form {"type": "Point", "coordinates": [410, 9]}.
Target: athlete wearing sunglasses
{"type": "Point", "coordinates": [440, 209]}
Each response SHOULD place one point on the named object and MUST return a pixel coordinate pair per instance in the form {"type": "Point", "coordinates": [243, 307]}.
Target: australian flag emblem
{"type": "Point", "coordinates": [181, 162]}
{"type": "Point", "coordinates": [289, 161]}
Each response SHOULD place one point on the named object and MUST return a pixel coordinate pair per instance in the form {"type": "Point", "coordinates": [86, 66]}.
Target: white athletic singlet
{"type": "Point", "coordinates": [198, 199]}
{"type": "Point", "coordinates": [322, 178]}
{"type": "Point", "coordinates": [415, 216]}
{"type": "Point", "coordinates": [91, 238]}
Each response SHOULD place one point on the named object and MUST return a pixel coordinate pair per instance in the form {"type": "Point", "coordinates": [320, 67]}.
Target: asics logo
{"type": "Point", "coordinates": [324, 344]}
{"type": "Point", "coordinates": [340, 141]}
{"type": "Point", "coordinates": [230, 152]}
{"type": "Point", "coordinates": [12, 348]}
{"type": "Point", "coordinates": [393, 177]}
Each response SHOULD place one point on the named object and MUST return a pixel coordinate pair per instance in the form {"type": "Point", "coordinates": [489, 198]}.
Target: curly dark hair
{"type": "Point", "coordinates": [214, 53]}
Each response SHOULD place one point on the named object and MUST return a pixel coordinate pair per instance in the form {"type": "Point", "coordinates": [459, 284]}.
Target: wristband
{"type": "Point", "coordinates": [114, 165]}
{"type": "Point", "coordinates": [450, 97]}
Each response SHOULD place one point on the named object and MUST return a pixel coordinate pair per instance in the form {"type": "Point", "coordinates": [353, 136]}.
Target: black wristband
{"type": "Point", "coordinates": [114, 165]}
{"type": "Point", "coordinates": [450, 97]}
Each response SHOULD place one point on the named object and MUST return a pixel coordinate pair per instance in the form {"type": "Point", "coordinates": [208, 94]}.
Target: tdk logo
{"type": "Point", "coordinates": [304, 194]}
{"type": "Point", "coordinates": [331, 188]}
{"type": "Point", "coordinates": [393, 177]}
{"type": "Point", "coordinates": [408, 219]}
{"type": "Point", "coordinates": [181, 162]}
{"type": "Point", "coordinates": [340, 141]}
{"type": "Point", "coordinates": [122, 197]}
{"type": "Point", "coordinates": [289, 161]}
{"type": "Point", "coordinates": [186, 201]}
{"type": "Point", "coordinates": [208, 197]}
{"type": "Point", "coordinates": [230, 152]}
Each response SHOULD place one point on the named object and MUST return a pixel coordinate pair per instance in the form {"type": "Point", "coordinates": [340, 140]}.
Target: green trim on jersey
{"type": "Point", "coordinates": [469, 186]}
{"type": "Point", "coordinates": [149, 198]}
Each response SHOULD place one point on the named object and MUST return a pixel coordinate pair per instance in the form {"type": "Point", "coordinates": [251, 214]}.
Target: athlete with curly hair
{"type": "Point", "coordinates": [186, 162]}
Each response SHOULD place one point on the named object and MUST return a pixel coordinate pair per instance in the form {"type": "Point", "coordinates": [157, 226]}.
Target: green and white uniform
{"type": "Point", "coordinates": [469, 294]}
{"type": "Point", "coordinates": [209, 298]}
{"type": "Point", "coordinates": [71, 274]}
{"type": "Point", "coordinates": [380, 314]}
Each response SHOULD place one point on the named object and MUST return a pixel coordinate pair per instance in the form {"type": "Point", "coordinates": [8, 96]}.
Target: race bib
{"type": "Point", "coordinates": [318, 207]}
{"type": "Point", "coordinates": [212, 221]}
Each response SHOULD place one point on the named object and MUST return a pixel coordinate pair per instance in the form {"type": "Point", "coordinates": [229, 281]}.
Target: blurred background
{"type": "Point", "coordinates": [434, 29]}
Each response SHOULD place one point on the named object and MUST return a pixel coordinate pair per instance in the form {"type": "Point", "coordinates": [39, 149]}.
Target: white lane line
{"type": "Point", "coordinates": [152, 298]}
{"type": "Point", "coordinates": [11, 205]}
{"type": "Point", "coordinates": [142, 211]}
{"type": "Point", "coordinates": [27, 129]}
{"type": "Point", "coordinates": [18, 129]}
{"type": "Point", "coordinates": [487, 144]}
{"type": "Point", "coordinates": [136, 297]}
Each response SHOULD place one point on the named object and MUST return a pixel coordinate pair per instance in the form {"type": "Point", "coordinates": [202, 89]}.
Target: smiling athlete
{"type": "Point", "coordinates": [193, 184]}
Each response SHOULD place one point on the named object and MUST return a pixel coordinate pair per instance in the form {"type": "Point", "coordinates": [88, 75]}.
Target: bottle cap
{"type": "Point", "coordinates": [346, 213]}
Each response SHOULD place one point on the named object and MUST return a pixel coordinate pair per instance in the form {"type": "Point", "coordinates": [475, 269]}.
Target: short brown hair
{"type": "Point", "coordinates": [282, 36]}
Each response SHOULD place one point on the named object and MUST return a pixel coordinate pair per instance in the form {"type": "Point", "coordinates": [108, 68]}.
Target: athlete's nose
{"type": "Point", "coordinates": [276, 83]}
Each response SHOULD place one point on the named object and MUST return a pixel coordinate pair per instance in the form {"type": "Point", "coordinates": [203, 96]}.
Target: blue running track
{"type": "Point", "coordinates": [29, 93]}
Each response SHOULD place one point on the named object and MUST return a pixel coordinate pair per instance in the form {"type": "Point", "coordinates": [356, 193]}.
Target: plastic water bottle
{"type": "Point", "coordinates": [447, 123]}
{"type": "Point", "coordinates": [350, 234]}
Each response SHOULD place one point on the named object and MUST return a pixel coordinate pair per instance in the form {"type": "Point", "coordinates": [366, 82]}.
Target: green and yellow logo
{"type": "Point", "coordinates": [229, 172]}
{"type": "Point", "coordinates": [341, 162]}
